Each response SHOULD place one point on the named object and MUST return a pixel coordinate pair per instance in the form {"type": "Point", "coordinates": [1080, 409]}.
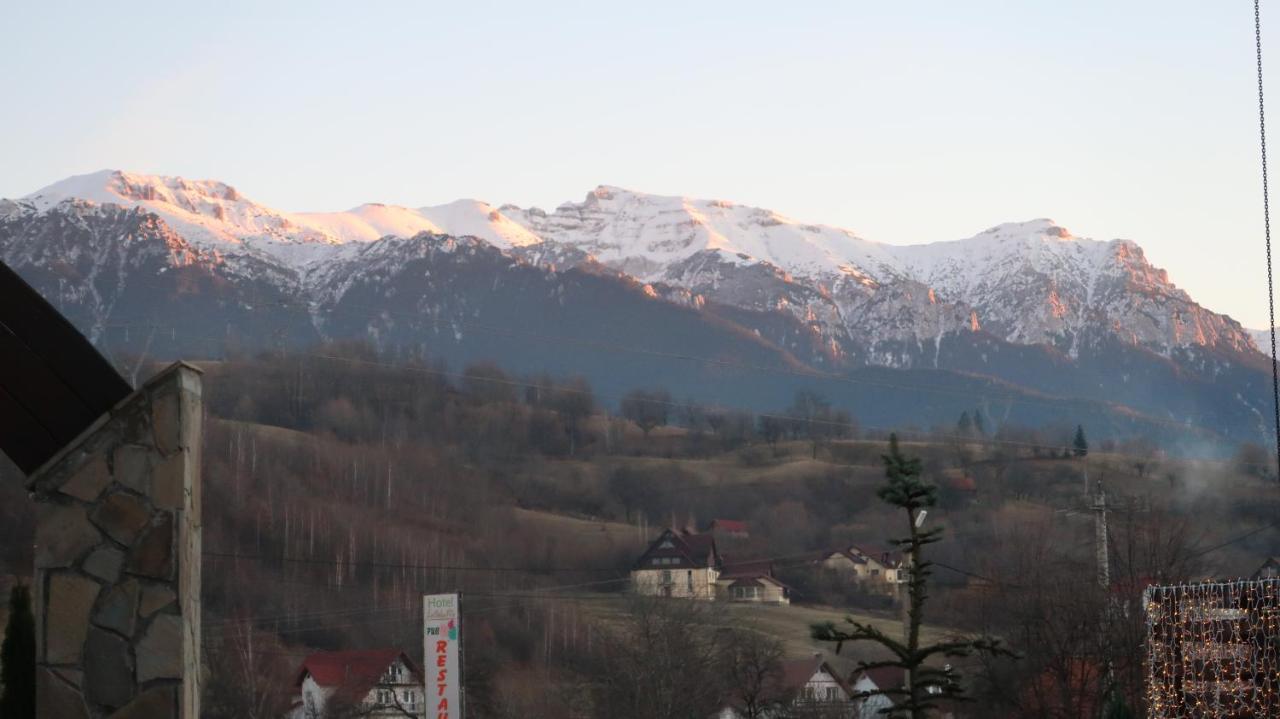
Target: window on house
{"type": "Point", "coordinates": [875, 572]}
{"type": "Point", "coordinates": [833, 694]}
{"type": "Point", "coordinates": [690, 576]}
{"type": "Point", "coordinates": [666, 576]}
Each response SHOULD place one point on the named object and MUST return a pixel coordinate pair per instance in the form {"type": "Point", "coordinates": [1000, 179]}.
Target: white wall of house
{"type": "Point", "coordinates": [313, 697]}
{"type": "Point", "coordinates": [824, 688]}
{"type": "Point", "coordinates": [675, 581]}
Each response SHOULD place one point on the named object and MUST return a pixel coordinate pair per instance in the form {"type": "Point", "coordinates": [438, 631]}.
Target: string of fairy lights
{"type": "Point", "coordinates": [1212, 649]}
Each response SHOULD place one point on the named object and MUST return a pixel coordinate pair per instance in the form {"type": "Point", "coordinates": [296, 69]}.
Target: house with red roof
{"type": "Point", "coordinates": [368, 683]}
{"type": "Point", "coordinates": [731, 528]}
{"type": "Point", "coordinates": [800, 687]}
{"type": "Point", "coordinates": [678, 564]}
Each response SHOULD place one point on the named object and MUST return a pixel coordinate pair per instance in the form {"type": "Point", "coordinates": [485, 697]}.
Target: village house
{"type": "Point", "coordinates": [876, 567]}
{"type": "Point", "coordinates": [803, 687]}
{"type": "Point", "coordinates": [678, 564]}
{"type": "Point", "coordinates": [370, 683]}
{"type": "Point", "coordinates": [751, 581]}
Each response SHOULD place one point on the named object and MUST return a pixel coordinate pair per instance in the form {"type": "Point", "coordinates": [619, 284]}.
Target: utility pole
{"type": "Point", "coordinates": [1100, 535]}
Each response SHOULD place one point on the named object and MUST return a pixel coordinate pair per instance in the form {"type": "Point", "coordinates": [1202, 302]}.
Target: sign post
{"type": "Point", "coordinates": [442, 648]}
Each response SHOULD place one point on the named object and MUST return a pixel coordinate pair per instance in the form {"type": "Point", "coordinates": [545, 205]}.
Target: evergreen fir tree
{"type": "Point", "coordinates": [926, 685]}
{"type": "Point", "coordinates": [18, 658]}
{"type": "Point", "coordinates": [965, 425]}
{"type": "Point", "coordinates": [1080, 446]}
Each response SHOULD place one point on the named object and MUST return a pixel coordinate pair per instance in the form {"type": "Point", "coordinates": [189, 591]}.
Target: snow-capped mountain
{"type": "Point", "coordinates": [1026, 282]}
{"type": "Point", "coordinates": [1026, 305]}
{"type": "Point", "coordinates": [216, 216]}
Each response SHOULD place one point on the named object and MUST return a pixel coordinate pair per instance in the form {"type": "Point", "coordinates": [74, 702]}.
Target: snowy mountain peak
{"type": "Point", "coordinates": [480, 219]}
{"type": "Point", "coordinates": [644, 234]}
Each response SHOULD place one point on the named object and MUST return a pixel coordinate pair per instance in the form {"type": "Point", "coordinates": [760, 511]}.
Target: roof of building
{"type": "Point", "coordinates": [697, 550]}
{"type": "Point", "coordinates": [745, 567]}
{"type": "Point", "coordinates": [887, 557]}
{"type": "Point", "coordinates": [354, 672]}
{"type": "Point", "coordinates": [856, 559]}
{"type": "Point", "coordinates": [883, 677]}
{"type": "Point", "coordinates": [729, 525]}
{"type": "Point", "coordinates": [756, 580]}
{"type": "Point", "coordinates": [796, 673]}
{"type": "Point", "coordinates": [53, 383]}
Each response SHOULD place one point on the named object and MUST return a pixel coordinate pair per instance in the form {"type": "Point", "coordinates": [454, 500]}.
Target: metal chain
{"type": "Point", "coordinates": [1266, 221]}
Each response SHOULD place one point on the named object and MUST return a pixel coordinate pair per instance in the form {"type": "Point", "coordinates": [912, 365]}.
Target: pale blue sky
{"type": "Point", "coordinates": [907, 122]}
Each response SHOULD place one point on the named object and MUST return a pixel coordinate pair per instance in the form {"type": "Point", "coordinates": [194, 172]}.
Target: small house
{"type": "Point", "coordinates": [678, 564]}
{"type": "Point", "coordinates": [368, 683]}
{"type": "Point", "coordinates": [751, 581]}
{"type": "Point", "coordinates": [865, 564]}
{"type": "Point", "coordinates": [801, 687]}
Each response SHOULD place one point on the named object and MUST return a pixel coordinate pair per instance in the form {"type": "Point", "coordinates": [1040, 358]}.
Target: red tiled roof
{"type": "Point", "coordinates": [356, 671]}
{"type": "Point", "coordinates": [729, 525]}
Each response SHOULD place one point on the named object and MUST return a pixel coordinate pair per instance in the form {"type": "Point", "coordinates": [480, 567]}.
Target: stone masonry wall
{"type": "Point", "coordinates": [117, 575]}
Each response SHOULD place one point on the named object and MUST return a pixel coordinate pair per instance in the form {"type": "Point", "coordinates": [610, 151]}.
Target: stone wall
{"type": "Point", "coordinates": [117, 560]}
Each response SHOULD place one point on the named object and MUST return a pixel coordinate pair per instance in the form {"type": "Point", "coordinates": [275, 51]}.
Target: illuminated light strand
{"type": "Point", "coordinates": [1213, 649]}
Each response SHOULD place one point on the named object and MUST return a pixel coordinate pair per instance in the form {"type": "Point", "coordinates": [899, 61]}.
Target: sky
{"type": "Point", "coordinates": [905, 122]}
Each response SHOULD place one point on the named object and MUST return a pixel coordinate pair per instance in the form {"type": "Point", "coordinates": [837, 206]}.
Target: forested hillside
{"type": "Point", "coordinates": [340, 486]}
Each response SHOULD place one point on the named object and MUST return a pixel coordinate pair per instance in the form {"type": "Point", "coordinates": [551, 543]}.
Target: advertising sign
{"type": "Point", "coordinates": [442, 622]}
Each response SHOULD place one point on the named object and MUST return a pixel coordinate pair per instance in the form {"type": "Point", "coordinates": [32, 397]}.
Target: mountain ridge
{"type": "Point", "coordinates": [673, 240]}
{"type": "Point", "coordinates": [1024, 305]}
